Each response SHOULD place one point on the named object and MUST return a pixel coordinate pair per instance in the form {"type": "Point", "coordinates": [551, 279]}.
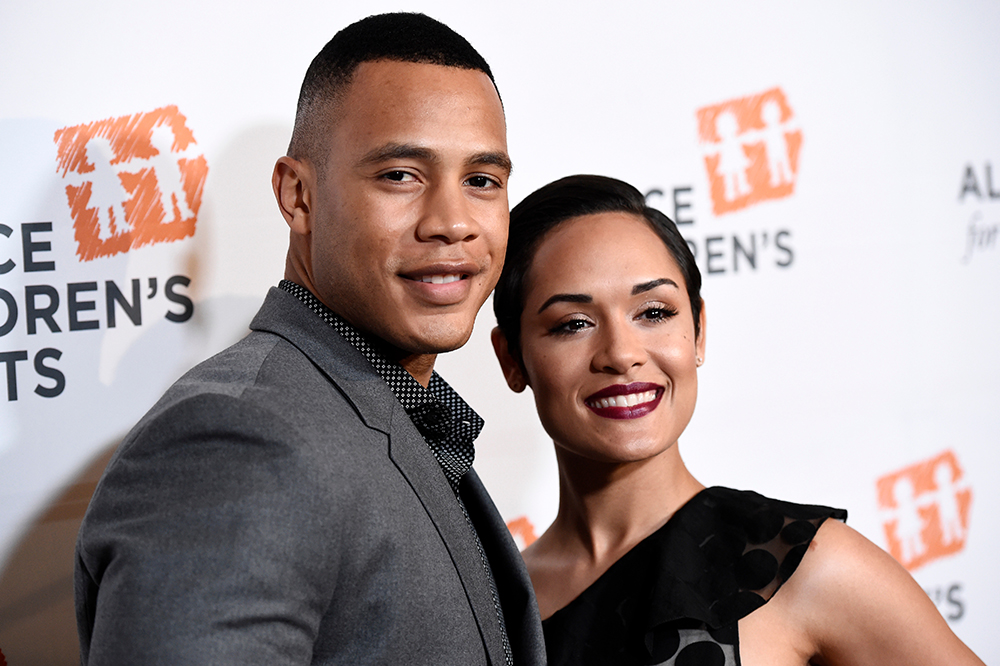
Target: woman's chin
{"type": "Point", "coordinates": [608, 453]}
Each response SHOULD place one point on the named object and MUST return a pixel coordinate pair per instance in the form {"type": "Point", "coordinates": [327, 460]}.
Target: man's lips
{"type": "Point", "coordinates": [441, 273]}
{"type": "Point", "coordinates": [625, 401]}
{"type": "Point", "coordinates": [443, 279]}
{"type": "Point", "coordinates": [441, 284]}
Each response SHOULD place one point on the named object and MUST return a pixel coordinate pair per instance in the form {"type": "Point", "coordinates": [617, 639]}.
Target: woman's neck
{"type": "Point", "coordinates": [605, 509]}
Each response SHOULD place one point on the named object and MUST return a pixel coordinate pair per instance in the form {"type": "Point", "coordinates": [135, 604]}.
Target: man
{"type": "Point", "coordinates": [306, 495]}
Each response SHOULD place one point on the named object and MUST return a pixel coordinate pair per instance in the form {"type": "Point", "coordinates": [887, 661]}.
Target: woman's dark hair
{"type": "Point", "coordinates": [574, 196]}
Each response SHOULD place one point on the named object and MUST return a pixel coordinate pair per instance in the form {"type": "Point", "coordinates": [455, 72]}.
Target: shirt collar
{"type": "Point", "coordinates": [447, 423]}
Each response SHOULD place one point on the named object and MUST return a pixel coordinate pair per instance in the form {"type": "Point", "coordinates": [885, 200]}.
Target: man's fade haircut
{"type": "Point", "coordinates": [401, 37]}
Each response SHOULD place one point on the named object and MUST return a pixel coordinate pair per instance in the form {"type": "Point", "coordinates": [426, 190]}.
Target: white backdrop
{"type": "Point", "coordinates": [837, 169]}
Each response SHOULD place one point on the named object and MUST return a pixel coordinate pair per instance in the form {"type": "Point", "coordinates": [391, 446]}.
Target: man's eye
{"type": "Point", "coordinates": [482, 181]}
{"type": "Point", "coordinates": [398, 176]}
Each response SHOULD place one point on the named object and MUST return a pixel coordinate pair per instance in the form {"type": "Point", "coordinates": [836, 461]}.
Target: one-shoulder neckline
{"type": "Point", "coordinates": [638, 544]}
{"type": "Point", "coordinates": [720, 556]}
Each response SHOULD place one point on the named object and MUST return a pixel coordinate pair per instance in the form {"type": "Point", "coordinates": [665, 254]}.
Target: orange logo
{"type": "Point", "coordinates": [751, 147]}
{"type": "Point", "coordinates": [131, 181]}
{"type": "Point", "coordinates": [926, 510]}
{"type": "Point", "coordinates": [523, 532]}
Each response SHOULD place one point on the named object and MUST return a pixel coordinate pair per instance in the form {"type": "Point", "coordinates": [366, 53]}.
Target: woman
{"type": "Point", "coordinates": [599, 313]}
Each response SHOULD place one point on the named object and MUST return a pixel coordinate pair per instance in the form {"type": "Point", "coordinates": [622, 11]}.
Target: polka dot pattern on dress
{"type": "Point", "coordinates": [676, 598]}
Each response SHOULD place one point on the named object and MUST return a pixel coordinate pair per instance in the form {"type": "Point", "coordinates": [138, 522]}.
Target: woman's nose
{"type": "Point", "coordinates": [619, 348]}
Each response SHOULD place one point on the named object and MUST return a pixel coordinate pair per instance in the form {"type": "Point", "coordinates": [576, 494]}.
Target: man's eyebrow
{"type": "Point", "coordinates": [566, 298]}
{"type": "Point", "coordinates": [652, 284]}
{"type": "Point", "coordinates": [397, 151]}
{"type": "Point", "coordinates": [496, 159]}
{"type": "Point", "coordinates": [402, 151]}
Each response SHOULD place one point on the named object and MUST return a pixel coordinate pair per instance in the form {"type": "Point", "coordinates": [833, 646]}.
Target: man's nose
{"type": "Point", "coordinates": [447, 215]}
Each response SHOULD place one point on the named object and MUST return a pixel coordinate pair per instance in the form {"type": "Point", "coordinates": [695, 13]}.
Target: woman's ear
{"type": "Point", "coordinates": [292, 182]}
{"type": "Point", "coordinates": [512, 370]}
{"type": "Point", "coordinates": [700, 342]}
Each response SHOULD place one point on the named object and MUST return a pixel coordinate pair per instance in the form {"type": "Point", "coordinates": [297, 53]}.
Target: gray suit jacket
{"type": "Point", "coordinates": [277, 506]}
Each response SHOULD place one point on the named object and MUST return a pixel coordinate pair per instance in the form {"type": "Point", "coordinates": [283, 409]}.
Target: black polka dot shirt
{"type": "Point", "coordinates": [447, 423]}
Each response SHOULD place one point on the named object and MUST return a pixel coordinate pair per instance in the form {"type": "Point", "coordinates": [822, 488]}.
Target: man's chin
{"type": "Point", "coordinates": [438, 339]}
{"type": "Point", "coordinates": [439, 345]}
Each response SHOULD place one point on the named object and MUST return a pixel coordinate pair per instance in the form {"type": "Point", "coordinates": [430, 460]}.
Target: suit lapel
{"type": "Point", "coordinates": [352, 374]}
{"type": "Point", "coordinates": [285, 315]}
{"type": "Point", "coordinates": [517, 597]}
{"type": "Point", "coordinates": [411, 455]}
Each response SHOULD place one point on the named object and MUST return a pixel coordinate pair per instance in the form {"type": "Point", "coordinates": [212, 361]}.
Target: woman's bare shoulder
{"type": "Point", "coordinates": [859, 606]}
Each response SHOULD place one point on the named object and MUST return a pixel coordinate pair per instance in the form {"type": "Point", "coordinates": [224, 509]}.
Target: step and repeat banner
{"type": "Point", "coordinates": [836, 170]}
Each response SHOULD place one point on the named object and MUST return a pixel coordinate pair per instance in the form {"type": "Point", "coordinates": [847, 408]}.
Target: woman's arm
{"type": "Point", "coordinates": [861, 607]}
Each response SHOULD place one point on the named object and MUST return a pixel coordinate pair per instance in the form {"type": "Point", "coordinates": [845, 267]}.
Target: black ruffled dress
{"type": "Point", "coordinates": [675, 598]}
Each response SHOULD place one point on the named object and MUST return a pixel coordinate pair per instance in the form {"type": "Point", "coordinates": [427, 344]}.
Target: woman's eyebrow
{"type": "Point", "coordinates": [566, 298]}
{"type": "Point", "coordinates": [652, 284]}
{"type": "Point", "coordinates": [585, 298]}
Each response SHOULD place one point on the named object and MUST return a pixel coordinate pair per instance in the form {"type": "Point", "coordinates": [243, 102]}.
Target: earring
{"type": "Point", "coordinates": [698, 361]}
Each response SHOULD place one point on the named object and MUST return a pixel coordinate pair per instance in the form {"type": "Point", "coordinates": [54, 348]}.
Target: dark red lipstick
{"type": "Point", "coordinates": [625, 401]}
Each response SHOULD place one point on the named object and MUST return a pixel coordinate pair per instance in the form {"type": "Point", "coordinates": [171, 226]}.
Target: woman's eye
{"type": "Point", "coordinates": [571, 326]}
{"type": "Point", "coordinates": [657, 314]}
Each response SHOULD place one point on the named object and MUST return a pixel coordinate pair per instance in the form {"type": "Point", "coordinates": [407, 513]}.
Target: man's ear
{"type": "Point", "coordinates": [293, 181]}
{"type": "Point", "coordinates": [512, 370]}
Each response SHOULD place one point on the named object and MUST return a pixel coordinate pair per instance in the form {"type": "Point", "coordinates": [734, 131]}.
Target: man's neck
{"type": "Point", "coordinates": [421, 366]}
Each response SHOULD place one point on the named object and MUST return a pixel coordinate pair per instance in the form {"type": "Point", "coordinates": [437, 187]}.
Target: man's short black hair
{"type": "Point", "coordinates": [551, 205]}
{"type": "Point", "coordinates": [401, 37]}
